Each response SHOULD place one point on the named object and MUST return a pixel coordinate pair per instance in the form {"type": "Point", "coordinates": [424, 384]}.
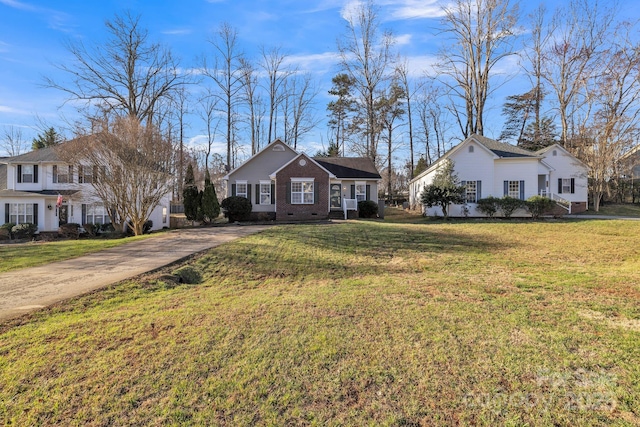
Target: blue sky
{"type": "Point", "coordinates": [32, 33]}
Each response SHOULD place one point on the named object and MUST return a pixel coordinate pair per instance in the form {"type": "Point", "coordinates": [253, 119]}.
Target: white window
{"type": "Point", "coordinates": [472, 191]}
{"type": "Point", "coordinates": [514, 189]}
{"type": "Point", "coordinates": [302, 192]}
{"type": "Point", "coordinates": [21, 213]}
{"type": "Point", "coordinates": [164, 215]}
{"type": "Point", "coordinates": [96, 214]}
{"type": "Point", "coordinates": [62, 174]}
{"type": "Point", "coordinates": [265, 192]}
{"type": "Point", "coordinates": [85, 174]}
{"type": "Point", "coordinates": [566, 185]}
{"type": "Point", "coordinates": [27, 173]}
{"type": "Point", "coordinates": [241, 189]}
{"type": "Point", "coordinates": [361, 191]}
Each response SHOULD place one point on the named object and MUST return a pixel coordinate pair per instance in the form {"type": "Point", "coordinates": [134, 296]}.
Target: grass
{"type": "Point", "coordinates": [32, 254]}
{"type": "Point", "coordinates": [626, 209]}
{"type": "Point", "coordinates": [362, 323]}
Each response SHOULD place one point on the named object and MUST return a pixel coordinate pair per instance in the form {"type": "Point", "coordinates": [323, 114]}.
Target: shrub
{"type": "Point", "coordinates": [367, 209]}
{"type": "Point", "coordinates": [236, 208]}
{"type": "Point", "coordinates": [24, 231]}
{"type": "Point", "coordinates": [488, 206]}
{"type": "Point", "coordinates": [71, 230]}
{"type": "Point", "coordinates": [6, 229]}
{"type": "Point", "coordinates": [107, 228]}
{"type": "Point", "coordinates": [188, 274]}
{"type": "Point", "coordinates": [538, 206]}
{"type": "Point", "coordinates": [147, 226]}
{"type": "Point", "coordinates": [91, 230]}
{"type": "Point", "coordinates": [508, 205]}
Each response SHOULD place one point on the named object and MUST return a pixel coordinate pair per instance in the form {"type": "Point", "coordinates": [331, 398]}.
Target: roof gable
{"type": "Point", "coordinates": [273, 175]}
{"type": "Point", "coordinates": [276, 145]}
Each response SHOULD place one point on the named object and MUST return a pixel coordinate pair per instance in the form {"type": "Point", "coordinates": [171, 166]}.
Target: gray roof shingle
{"type": "Point", "coordinates": [47, 154]}
{"type": "Point", "coordinates": [503, 149]}
{"type": "Point", "coordinates": [349, 167]}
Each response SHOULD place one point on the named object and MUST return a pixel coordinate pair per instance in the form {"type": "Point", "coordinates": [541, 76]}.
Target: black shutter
{"type": "Point", "coordinates": [521, 190]}
{"type": "Point", "coordinates": [70, 174]}
{"type": "Point", "coordinates": [257, 194]}
{"type": "Point", "coordinates": [6, 213]}
{"type": "Point", "coordinates": [316, 193]}
{"type": "Point", "coordinates": [353, 191]}
{"type": "Point", "coordinates": [95, 174]}
{"type": "Point", "coordinates": [19, 174]}
{"type": "Point", "coordinates": [288, 192]}
{"type": "Point", "coordinates": [573, 185]}
{"type": "Point", "coordinates": [35, 174]}
{"type": "Point", "coordinates": [506, 188]}
{"type": "Point", "coordinates": [55, 174]}
{"type": "Point", "coordinates": [233, 189]}
{"type": "Point", "coordinates": [80, 174]}
{"type": "Point", "coordinates": [559, 185]}
{"type": "Point", "coordinates": [35, 214]}
{"type": "Point", "coordinates": [273, 194]}
{"type": "Point", "coordinates": [478, 190]}
{"type": "Point", "coordinates": [249, 192]}
{"type": "Point", "coordinates": [368, 192]}
{"type": "Point", "coordinates": [464, 184]}
{"type": "Point", "coordinates": [84, 214]}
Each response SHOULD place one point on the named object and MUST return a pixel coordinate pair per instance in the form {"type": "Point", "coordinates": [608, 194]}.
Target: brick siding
{"type": "Point", "coordinates": [286, 211]}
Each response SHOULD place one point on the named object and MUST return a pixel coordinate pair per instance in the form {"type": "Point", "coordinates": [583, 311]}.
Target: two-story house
{"type": "Point", "coordinates": [40, 188]}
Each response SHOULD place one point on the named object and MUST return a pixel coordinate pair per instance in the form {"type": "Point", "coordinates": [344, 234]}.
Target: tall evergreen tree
{"type": "Point", "coordinates": [209, 202]}
{"type": "Point", "coordinates": [48, 139]}
{"type": "Point", "coordinates": [190, 195]}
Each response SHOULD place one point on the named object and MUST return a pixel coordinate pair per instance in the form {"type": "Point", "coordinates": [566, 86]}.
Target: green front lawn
{"type": "Point", "coordinates": [626, 209]}
{"type": "Point", "coordinates": [21, 255]}
{"type": "Point", "coordinates": [361, 323]}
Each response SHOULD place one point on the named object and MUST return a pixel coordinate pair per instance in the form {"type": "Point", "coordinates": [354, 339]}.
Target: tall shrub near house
{"type": "Point", "coordinates": [444, 190]}
{"type": "Point", "coordinates": [210, 207]}
{"type": "Point", "coordinates": [190, 195]}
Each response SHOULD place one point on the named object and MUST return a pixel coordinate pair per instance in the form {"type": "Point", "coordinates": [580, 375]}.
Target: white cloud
{"type": "Point", "coordinates": [178, 32]}
{"type": "Point", "coordinates": [350, 10]}
{"type": "Point", "coordinates": [421, 65]}
{"type": "Point", "coordinates": [201, 141]}
{"type": "Point", "coordinates": [11, 110]}
{"type": "Point", "coordinates": [18, 5]}
{"type": "Point", "coordinates": [316, 62]}
{"type": "Point", "coordinates": [402, 39]}
{"type": "Point", "coordinates": [415, 9]}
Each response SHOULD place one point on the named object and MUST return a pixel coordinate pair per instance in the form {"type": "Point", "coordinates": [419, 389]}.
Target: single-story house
{"type": "Point", "coordinates": [491, 168]}
{"type": "Point", "coordinates": [283, 184]}
{"type": "Point", "coordinates": [39, 188]}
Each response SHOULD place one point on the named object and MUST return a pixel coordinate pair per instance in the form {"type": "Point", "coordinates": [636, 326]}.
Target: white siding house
{"type": "Point", "coordinates": [39, 188]}
{"type": "Point", "coordinates": [491, 168]}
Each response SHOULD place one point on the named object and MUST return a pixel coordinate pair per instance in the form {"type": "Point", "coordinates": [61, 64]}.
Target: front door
{"type": "Point", "coordinates": [63, 214]}
{"type": "Point", "coordinates": [336, 196]}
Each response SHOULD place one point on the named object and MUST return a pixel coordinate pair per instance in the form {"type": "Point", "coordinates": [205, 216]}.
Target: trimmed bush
{"type": "Point", "coordinates": [538, 206]}
{"type": "Point", "coordinates": [367, 209]}
{"type": "Point", "coordinates": [24, 231]}
{"type": "Point", "coordinates": [488, 206]}
{"type": "Point", "coordinates": [71, 230]}
{"type": "Point", "coordinates": [508, 205]}
{"type": "Point", "coordinates": [236, 208]}
{"type": "Point", "coordinates": [6, 230]}
{"type": "Point", "coordinates": [147, 226]}
{"type": "Point", "coordinates": [188, 274]}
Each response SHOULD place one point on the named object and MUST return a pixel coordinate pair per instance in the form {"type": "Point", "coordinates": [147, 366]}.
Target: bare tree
{"type": "Point", "coordinates": [391, 108]}
{"type": "Point", "coordinates": [611, 122]}
{"type": "Point", "coordinates": [299, 117]}
{"type": "Point", "coordinates": [228, 75]}
{"type": "Point", "coordinates": [410, 90]}
{"type": "Point", "coordinates": [130, 164]}
{"type": "Point", "coordinates": [432, 121]}
{"type": "Point", "coordinates": [126, 75]}
{"type": "Point", "coordinates": [13, 142]}
{"type": "Point", "coordinates": [272, 63]}
{"type": "Point", "coordinates": [208, 110]}
{"type": "Point", "coordinates": [481, 34]}
{"type": "Point", "coordinates": [254, 103]}
{"type": "Point", "coordinates": [366, 58]}
{"type": "Point", "coordinates": [579, 35]}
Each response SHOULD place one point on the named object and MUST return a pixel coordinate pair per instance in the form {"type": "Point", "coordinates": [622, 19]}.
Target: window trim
{"type": "Point", "coordinates": [467, 191]}
{"type": "Point", "coordinates": [56, 174]}
{"type": "Point", "coordinates": [363, 184]}
{"type": "Point", "coordinates": [246, 189]}
{"type": "Point", "coordinates": [513, 193]}
{"type": "Point", "coordinates": [303, 191]}
{"type": "Point", "coordinates": [264, 195]}
{"type": "Point", "coordinates": [16, 217]}
{"type": "Point", "coordinates": [89, 210]}
{"type": "Point", "coordinates": [23, 174]}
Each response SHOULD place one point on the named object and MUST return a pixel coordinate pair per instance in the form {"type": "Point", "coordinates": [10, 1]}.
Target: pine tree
{"type": "Point", "coordinates": [209, 203]}
{"type": "Point", "coordinates": [48, 139]}
{"type": "Point", "coordinates": [190, 195]}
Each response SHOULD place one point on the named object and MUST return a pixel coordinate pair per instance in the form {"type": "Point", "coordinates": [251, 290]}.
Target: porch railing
{"type": "Point", "coordinates": [349, 205]}
{"type": "Point", "coordinates": [562, 202]}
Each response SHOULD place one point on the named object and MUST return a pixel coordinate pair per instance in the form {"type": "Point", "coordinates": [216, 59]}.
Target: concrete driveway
{"type": "Point", "coordinates": [28, 289]}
